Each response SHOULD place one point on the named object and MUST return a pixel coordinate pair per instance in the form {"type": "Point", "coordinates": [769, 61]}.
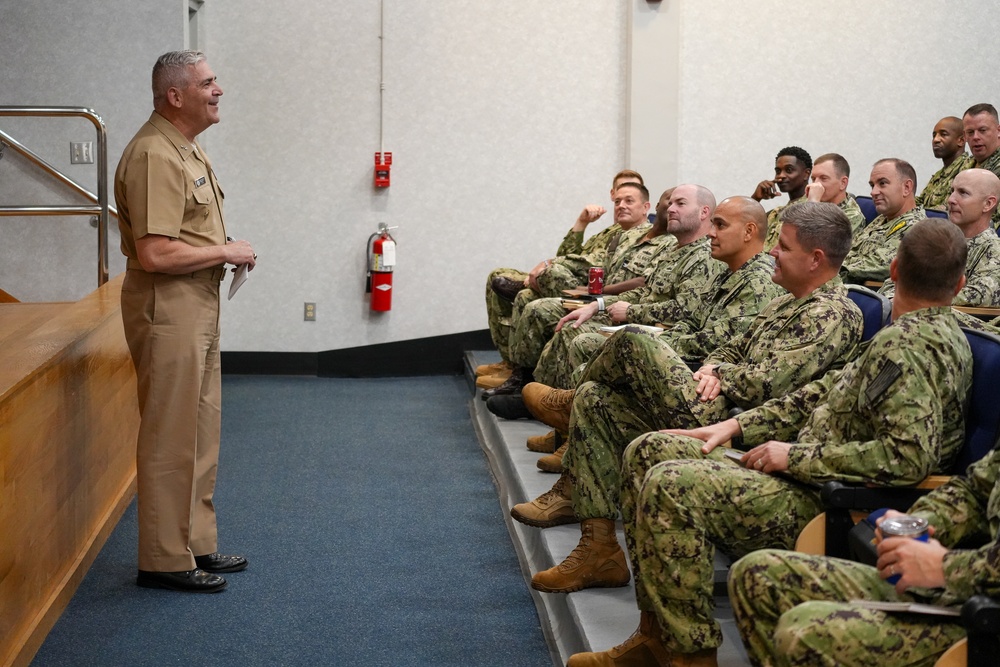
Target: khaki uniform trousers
{"type": "Point", "coordinates": [172, 329]}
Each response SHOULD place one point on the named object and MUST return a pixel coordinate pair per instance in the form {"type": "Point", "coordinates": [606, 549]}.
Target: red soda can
{"type": "Point", "coordinates": [595, 284]}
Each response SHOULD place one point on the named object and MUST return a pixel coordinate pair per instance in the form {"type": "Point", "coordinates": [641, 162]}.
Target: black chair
{"type": "Point", "coordinates": [867, 207]}
{"type": "Point", "coordinates": [875, 308]}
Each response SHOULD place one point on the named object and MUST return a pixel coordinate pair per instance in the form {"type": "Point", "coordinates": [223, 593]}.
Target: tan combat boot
{"type": "Point", "coordinates": [597, 561]}
{"type": "Point", "coordinates": [553, 462]}
{"type": "Point", "coordinates": [545, 444]}
{"type": "Point", "coordinates": [549, 406]}
{"type": "Point", "coordinates": [499, 368]}
{"type": "Point", "coordinates": [552, 508]}
{"type": "Point", "coordinates": [643, 649]}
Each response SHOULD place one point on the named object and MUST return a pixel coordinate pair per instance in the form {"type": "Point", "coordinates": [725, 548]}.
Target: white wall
{"type": "Point", "coordinates": [92, 55]}
{"type": "Point", "coordinates": [503, 118]}
{"type": "Point", "coordinates": [865, 79]}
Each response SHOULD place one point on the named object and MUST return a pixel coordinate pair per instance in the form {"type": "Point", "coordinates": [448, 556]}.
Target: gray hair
{"type": "Point", "coordinates": [172, 70]}
{"type": "Point", "coordinates": [820, 225]}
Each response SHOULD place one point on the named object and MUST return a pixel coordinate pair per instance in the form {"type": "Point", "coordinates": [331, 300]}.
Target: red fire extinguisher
{"type": "Point", "coordinates": [381, 261]}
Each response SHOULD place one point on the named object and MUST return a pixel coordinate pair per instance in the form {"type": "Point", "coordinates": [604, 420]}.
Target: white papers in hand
{"type": "Point", "coordinates": [239, 278]}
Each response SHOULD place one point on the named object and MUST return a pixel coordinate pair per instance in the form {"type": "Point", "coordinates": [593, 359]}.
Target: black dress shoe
{"type": "Point", "coordinates": [506, 288]}
{"type": "Point", "coordinates": [512, 385]}
{"type": "Point", "coordinates": [189, 581]}
{"type": "Point", "coordinates": [221, 563]}
{"type": "Point", "coordinates": [508, 407]}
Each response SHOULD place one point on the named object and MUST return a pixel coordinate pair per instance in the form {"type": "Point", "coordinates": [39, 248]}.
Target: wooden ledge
{"type": "Point", "coordinates": [68, 424]}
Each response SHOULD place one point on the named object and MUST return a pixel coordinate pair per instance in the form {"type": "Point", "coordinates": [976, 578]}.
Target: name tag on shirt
{"type": "Point", "coordinates": [200, 182]}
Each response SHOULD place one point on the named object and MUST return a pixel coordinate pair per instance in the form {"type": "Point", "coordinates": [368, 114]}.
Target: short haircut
{"type": "Point", "coordinates": [638, 186]}
{"type": "Point", "coordinates": [931, 260]}
{"type": "Point", "coordinates": [629, 174]}
{"type": "Point", "coordinates": [704, 197]}
{"type": "Point", "coordinates": [820, 225]}
{"type": "Point", "coordinates": [752, 211]}
{"type": "Point", "coordinates": [172, 71]}
{"type": "Point", "coordinates": [798, 153]}
{"type": "Point", "coordinates": [839, 163]}
{"type": "Point", "coordinates": [904, 169]}
{"type": "Point", "coordinates": [954, 122]}
{"type": "Point", "coordinates": [982, 107]}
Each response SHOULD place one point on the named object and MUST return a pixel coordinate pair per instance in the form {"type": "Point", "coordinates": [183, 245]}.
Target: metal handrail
{"type": "Point", "coordinates": [102, 210]}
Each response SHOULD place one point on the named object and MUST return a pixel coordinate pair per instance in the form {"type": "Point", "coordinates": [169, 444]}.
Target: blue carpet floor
{"type": "Point", "coordinates": [373, 532]}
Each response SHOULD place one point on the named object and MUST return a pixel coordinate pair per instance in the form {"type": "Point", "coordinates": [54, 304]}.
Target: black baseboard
{"type": "Point", "coordinates": [437, 355]}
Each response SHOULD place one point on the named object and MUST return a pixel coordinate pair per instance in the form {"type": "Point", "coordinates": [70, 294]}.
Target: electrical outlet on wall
{"type": "Point", "coordinates": [309, 314]}
{"type": "Point", "coordinates": [81, 152]}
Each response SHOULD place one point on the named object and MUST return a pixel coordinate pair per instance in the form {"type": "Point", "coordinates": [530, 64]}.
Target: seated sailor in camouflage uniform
{"type": "Point", "coordinates": [891, 417]}
{"type": "Point", "coordinates": [727, 308]}
{"type": "Point", "coordinates": [792, 609]}
{"type": "Point", "coordinates": [893, 182]}
{"type": "Point", "coordinates": [637, 384]}
{"type": "Point", "coordinates": [669, 293]}
{"type": "Point", "coordinates": [982, 133]}
{"type": "Point", "coordinates": [948, 144]}
{"type": "Point", "coordinates": [566, 270]}
{"type": "Point", "coordinates": [973, 200]}
{"type": "Point", "coordinates": [792, 167]}
{"type": "Point", "coordinates": [830, 176]}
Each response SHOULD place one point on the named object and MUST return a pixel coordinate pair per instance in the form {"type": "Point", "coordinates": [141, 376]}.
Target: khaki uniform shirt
{"type": "Point", "coordinates": [165, 185]}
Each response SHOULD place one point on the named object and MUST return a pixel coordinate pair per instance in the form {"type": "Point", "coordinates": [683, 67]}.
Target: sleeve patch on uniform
{"type": "Point", "coordinates": [890, 373]}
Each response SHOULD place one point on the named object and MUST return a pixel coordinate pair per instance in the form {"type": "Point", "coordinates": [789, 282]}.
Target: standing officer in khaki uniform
{"type": "Point", "coordinates": [170, 218]}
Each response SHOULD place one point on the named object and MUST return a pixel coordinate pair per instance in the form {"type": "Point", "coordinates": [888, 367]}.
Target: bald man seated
{"type": "Point", "coordinates": [971, 204]}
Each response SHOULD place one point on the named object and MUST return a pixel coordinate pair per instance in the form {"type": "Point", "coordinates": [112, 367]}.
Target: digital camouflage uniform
{"type": "Point", "coordinates": [938, 189]}
{"type": "Point", "coordinates": [573, 244]}
{"type": "Point", "coordinates": [728, 308]}
{"type": "Point", "coordinates": [774, 224]}
{"type": "Point", "coordinates": [891, 417]}
{"type": "Point", "coordinates": [992, 163]}
{"type": "Point", "coordinates": [672, 288]}
{"type": "Point", "coordinates": [731, 306]}
{"type": "Point", "coordinates": [791, 608]}
{"type": "Point", "coordinates": [874, 247]}
{"type": "Point", "coordinates": [637, 383]}
{"type": "Point", "coordinates": [853, 212]}
{"type": "Point", "coordinates": [571, 255]}
{"type": "Point", "coordinates": [982, 273]}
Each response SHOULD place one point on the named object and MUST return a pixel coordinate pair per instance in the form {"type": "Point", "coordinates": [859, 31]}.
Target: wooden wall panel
{"type": "Point", "coordinates": [68, 422]}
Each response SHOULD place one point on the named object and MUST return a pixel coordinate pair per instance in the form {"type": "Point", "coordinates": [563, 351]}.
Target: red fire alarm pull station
{"type": "Point", "coordinates": [383, 161]}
